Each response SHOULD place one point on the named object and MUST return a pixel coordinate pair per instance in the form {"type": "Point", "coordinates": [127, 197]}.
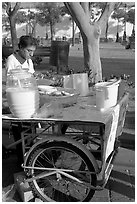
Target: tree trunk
{"type": "Point", "coordinates": [92, 61]}
{"type": "Point", "coordinates": [13, 33]}
{"type": "Point", "coordinates": [51, 31]}
{"type": "Point", "coordinates": [106, 32]}
{"type": "Point", "coordinates": [34, 29]}
{"type": "Point", "coordinates": [133, 32]}
{"type": "Point", "coordinates": [117, 35]}
{"type": "Point", "coordinates": [11, 15]}
{"type": "Point", "coordinates": [27, 31]}
{"type": "Point", "coordinates": [73, 33]}
{"type": "Point", "coordinates": [90, 32]}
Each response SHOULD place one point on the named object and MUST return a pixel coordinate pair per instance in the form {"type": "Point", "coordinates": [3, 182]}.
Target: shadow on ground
{"type": "Point", "coordinates": [127, 141]}
{"type": "Point", "coordinates": [122, 183]}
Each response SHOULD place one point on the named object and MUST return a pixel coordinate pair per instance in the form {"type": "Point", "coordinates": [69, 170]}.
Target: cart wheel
{"type": "Point", "coordinates": [60, 187]}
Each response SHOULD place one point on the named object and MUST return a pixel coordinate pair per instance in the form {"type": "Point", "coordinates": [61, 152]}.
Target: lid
{"type": "Point", "coordinates": [107, 84]}
{"type": "Point", "coordinates": [21, 73]}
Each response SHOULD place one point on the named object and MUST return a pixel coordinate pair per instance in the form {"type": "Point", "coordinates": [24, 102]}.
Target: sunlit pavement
{"type": "Point", "coordinates": [121, 184]}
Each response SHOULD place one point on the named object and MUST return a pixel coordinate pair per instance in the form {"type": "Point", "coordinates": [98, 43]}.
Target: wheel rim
{"type": "Point", "coordinates": [58, 187]}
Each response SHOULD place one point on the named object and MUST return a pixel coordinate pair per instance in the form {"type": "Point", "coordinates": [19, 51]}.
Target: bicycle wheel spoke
{"type": "Point", "coordinates": [46, 158]}
{"type": "Point", "coordinates": [62, 186]}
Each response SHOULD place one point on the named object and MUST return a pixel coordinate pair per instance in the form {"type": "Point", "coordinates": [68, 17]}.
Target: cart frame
{"type": "Point", "coordinates": [78, 134]}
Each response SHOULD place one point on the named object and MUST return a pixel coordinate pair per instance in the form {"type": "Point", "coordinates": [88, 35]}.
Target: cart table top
{"type": "Point", "coordinates": [80, 111]}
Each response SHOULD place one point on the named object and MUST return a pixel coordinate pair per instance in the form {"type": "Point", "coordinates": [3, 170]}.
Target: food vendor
{"type": "Point", "coordinates": [21, 59]}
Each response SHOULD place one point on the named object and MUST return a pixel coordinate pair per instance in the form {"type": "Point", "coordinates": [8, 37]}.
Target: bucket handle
{"type": "Point", "coordinates": [100, 90]}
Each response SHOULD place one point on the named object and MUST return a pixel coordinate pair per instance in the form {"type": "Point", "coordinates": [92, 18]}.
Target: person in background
{"type": "Point", "coordinates": [21, 59]}
{"type": "Point", "coordinates": [46, 36]}
{"type": "Point", "coordinates": [38, 40]}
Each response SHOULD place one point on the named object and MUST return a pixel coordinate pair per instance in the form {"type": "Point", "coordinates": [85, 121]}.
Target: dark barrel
{"type": "Point", "coordinates": [59, 55]}
{"type": "Point", "coordinates": [6, 51]}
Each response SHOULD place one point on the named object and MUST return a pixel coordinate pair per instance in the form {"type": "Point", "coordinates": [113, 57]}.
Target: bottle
{"type": "Point", "coordinates": [22, 93]}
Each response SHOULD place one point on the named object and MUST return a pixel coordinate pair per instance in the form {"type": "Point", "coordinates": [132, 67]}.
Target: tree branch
{"type": "Point", "coordinates": [117, 5]}
{"type": "Point", "coordinates": [71, 13]}
{"type": "Point", "coordinates": [8, 8]}
{"type": "Point", "coordinates": [16, 8]}
{"type": "Point", "coordinates": [85, 6]}
{"type": "Point", "coordinates": [105, 15]}
{"type": "Point", "coordinates": [79, 15]}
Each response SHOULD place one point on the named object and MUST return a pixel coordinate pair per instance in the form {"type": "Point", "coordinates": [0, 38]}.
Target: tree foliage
{"type": "Point", "coordinates": [125, 13]}
{"type": "Point", "coordinates": [49, 13]}
{"type": "Point", "coordinates": [118, 14]}
{"type": "Point", "coordinates": [19, 19]}
{"type": "Point", "coordinates": [131, 16]}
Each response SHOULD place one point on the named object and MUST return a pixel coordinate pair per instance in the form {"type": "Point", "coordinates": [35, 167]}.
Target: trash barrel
{"type": "Point", "coordinates": [6, 51]}
{"type": "Point", "coordinates": [59, 55]}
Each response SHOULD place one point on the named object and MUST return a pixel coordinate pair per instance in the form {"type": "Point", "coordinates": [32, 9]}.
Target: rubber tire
{"type": "Point", "coordinates": [75, 149]}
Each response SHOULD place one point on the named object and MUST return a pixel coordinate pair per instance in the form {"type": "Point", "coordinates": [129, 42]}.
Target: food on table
{"type": "Point", "coordinates": [52, 91]}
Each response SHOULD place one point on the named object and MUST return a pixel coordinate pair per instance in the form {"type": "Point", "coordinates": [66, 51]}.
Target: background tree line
{"type": "Point", "coordinates": [90, 17]}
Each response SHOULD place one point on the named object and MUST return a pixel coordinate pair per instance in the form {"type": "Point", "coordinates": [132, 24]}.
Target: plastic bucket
{"type": "Point", "coordinates": [106, 95]}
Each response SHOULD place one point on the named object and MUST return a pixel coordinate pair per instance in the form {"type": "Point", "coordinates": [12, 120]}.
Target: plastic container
{"type": "Point", "coordinates": [22, 93]}
{"type": "Point", "coordinates": [106, 94]}
{"type": "Point", "coordinates": [68, 81]}
{"type": "Point", "coordinates": [79, 82]}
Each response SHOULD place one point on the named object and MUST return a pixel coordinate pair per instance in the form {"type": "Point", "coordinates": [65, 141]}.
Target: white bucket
{"type": "Point", "coordinates": [106, 95]}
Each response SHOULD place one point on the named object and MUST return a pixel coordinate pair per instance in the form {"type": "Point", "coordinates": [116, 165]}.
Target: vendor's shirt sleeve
{"type": "Point", "coordinates": [10, 64]}
{"type": "Point", "coordinates": [31, 66]}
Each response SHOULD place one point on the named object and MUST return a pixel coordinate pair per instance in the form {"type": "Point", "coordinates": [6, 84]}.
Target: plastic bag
{"type": "Point", "coordinates": [48, 110]}
{"type": "Point", "coordinates": [8, 193]}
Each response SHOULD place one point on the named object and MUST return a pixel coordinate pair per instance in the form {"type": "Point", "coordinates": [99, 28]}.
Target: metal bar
{"type": "Point", "coordinates": [110, 161]}
{"type": "Point", "coordinates": [23, 143]}
{"type": "Point", "coordinates": [37, 134]}
{"type": "Point", "coordinates": [65, 174]}
{"type": "Point", "coordinates": [70, 176]}
{"type": "Point", "coordinates": [52, 169]}
{"type": "Point", "coordinates": [17, 142]}
{"type": "Point", "coordinates": [41, 176]}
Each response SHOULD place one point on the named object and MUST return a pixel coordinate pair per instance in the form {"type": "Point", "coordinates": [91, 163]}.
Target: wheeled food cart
{"type": "Point", "coordinates": [69, 156]}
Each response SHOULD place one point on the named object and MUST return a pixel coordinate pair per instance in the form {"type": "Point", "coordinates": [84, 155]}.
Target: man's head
{"type": "Point", "coordinates": [27, 46]}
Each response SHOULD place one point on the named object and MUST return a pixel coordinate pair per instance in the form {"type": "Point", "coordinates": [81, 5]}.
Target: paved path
{"type": "Point", "coordinates": [121, 184]}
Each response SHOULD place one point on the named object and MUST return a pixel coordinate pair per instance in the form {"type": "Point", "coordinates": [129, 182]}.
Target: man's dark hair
{"type": "Point", "coordinates": [26, 41]}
